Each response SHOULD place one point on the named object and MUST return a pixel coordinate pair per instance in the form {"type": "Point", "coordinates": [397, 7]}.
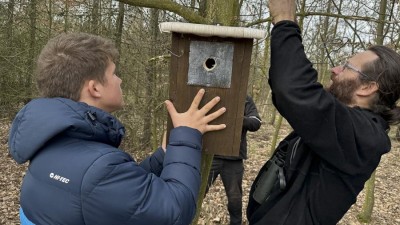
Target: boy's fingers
{"type": "Point", "coordinates": [164, 141]}
{"type": "Point", "coordinates": [215, 127]}
{"type": "Point", "coordinates": [170, 108]}
{"type": "Point", "coordinates": [197, 99]}
{"type": "Point", "coordinates": [215, 114]}
{"type": "Point", "coordinates": [206, 108]}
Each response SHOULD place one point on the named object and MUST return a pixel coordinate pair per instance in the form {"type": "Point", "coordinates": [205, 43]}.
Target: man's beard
{"type": "Point", "coordinates": [344, 90]}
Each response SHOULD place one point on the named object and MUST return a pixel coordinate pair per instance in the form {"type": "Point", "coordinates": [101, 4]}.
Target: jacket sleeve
{"type": "Point", "coordinates": [339, 134]}
{"type": "Point", "coordinates": [251, 119]}
{"type": "Point", "coordinates": [154, 163]}
{"type": "Point", "coordinates": [118, 191]}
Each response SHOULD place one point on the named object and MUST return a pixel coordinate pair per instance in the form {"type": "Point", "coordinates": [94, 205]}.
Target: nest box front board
{"type": "Point", "coordinates": [220, 65]}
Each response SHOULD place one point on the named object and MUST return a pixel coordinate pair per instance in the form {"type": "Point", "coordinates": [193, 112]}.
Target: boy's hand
{"type": "Point", "coordinates": [282, 10]}
{"type": "Point", "coordinates": [164, 141]}
{"type": "Point", "coordinates": [196, 118]}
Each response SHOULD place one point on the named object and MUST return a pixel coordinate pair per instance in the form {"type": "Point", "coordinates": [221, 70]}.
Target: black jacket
{"type": "Point", "coordinates": [333, 150]}
{"type": "Point", "coordinates": [251, 122]}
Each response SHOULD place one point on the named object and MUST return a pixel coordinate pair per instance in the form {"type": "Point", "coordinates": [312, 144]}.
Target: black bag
{"type": "Point", "coordinates": [270, 178]}
{"type": "Point", "coordinates": [273, 173]}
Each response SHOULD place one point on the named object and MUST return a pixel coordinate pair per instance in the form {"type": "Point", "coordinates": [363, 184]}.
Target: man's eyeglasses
{"type": "Point", "coordinates": [347, 65]}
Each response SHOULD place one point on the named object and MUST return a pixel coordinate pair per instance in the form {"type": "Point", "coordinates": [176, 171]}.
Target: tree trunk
{"type": "Point", "coordinates": [32, 47]}
{"type": "Point", "coordinates": [206, 161]}
{"type": "Point", "coordinates": [150, 82]}
{"type": "Point", "coordinates": [7, 71]}
{"type": "Point", "coordinates": [381, 24]}
{"type": "Point", "coordinates": [366, 212]}
{"type": "Point", "coordinates": [302, 12]}
{"type": "Point", "coordinates": [397, 136]}
{"type": "Point", "coordinates": [118, 32]}
{"type": "Point", "coordinates": [10, 20]}
{"type": "Point", "coordinates": [368, 206]}
{"type": "Point", "coordinates": [323, 65]}
{"type": "Point", "coordinates": [154, 141]}
{"type": "Point", "coordinates": [95, 17]}
{"type": "Point", "coordinates": [257, 76]}
{"type": "Point", "coordinates": [276, 133]}
{"type": "Point", "coordinates": [50, 17]}
{"type": "Point", "coordinates": [222, 12]}
{"type": "Point", "coordinates": [66, 15]}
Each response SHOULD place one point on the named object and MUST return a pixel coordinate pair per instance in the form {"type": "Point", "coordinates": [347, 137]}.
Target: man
{"type": "Point", "coordinates": [339, 134]}
{"type": "Point", "coordinates": [77, 174]}
{"type": "Point", "coordinates": [230, 168]}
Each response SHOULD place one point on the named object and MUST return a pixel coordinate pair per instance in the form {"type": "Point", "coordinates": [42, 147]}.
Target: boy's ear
{"type": "Point", "coordinates": [94, 88]}
{"type": "Point", "coordinates": [368, 89]}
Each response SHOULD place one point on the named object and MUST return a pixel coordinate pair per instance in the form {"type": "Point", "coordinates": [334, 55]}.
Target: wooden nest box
{"type": "Point", "coordinates": [216, 58]}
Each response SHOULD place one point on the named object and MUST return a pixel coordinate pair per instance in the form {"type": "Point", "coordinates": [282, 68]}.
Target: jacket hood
{"type": "Point", "coordinates": [45, 118]}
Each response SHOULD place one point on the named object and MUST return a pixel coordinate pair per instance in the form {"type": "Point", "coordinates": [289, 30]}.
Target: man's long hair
{"type": "Point", "coordinates": [386, 72]}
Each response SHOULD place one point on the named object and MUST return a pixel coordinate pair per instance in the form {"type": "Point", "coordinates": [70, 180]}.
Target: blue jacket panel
{"type": "Point", "coordinates": [23, 219]}
{"type": "Point", "coordinates": [77, 174]}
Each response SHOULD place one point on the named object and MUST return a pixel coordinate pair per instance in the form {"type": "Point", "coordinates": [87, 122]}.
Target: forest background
{"type": "Point", "coordinates": [332, 31]}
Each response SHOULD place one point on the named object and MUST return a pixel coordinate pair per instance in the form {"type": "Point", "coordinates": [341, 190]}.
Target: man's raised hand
{"type": "Point", "coordinates": [282, 10]}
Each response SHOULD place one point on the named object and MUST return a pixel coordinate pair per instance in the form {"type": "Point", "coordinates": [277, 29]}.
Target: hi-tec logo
{"type": "Point", "coordinates": [59, 178]}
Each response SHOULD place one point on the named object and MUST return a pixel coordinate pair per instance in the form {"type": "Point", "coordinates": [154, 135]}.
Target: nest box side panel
{"type": "Point", "coordinates": [241, 68]}
{"type": "Point", "coordinates": [179, 94]}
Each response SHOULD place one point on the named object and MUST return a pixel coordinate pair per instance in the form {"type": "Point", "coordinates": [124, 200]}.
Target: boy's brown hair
{"type": "Point", "coordinates": [68, 60]}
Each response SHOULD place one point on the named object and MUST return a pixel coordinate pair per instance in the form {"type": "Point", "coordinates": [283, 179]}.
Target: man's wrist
{"type": "Point", "coordinates": [286, 23]}
{"type": "Point", "coordinates": [279, 18]}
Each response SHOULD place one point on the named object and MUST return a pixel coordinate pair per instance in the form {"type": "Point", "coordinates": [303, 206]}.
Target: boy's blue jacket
{"type": "Point", "coordinates": [77, 175]}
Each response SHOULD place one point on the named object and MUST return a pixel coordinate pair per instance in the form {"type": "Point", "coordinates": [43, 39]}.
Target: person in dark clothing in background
{"type": "Point", "coordinates": [77, 175]}
{"type": "Point", "coordinates": [230, 168]}
{"type": "Point", "coordinates": [339, 133]}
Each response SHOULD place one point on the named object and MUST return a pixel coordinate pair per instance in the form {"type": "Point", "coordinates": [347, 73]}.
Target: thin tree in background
{"type": "Point", "coordinates": [32, 46]}
{"type": "Point", "coordinates": [119, 28]}
{"type": "Point", "coordinates": [50, 17]}
{"type": "Point", "coordinates": [66, 15]}
{"type": "Point", "coordinates": [366, 212]}
{"type": "Point", "coordinates": [95, 17]}
{"type": "Point", "coordinates": [151, 71]}
{"type": "Point", "coordinates": [5, 53]}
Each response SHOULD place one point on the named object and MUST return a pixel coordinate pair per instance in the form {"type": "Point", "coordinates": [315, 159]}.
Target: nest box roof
{"type": "Point", "coordinates": [212, 30]}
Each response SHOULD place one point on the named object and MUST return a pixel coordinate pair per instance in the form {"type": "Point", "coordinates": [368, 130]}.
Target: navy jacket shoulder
{"type": "Point", "coordinates": [77, 174]}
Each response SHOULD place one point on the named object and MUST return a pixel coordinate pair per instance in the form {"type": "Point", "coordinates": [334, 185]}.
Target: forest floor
{"type": "Point", "coordinates": [387, 196]}
{"type": "Point", "coordinates": [214, 211]}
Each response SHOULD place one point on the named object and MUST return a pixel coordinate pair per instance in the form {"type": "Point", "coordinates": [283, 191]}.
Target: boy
{"type": "Point", "coordinates": [77, 174]}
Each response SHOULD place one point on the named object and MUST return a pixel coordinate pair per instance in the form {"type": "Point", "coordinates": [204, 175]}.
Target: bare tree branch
{"type": "Point", "coordinates": [183, 11]}
{"type": "Point", "coordinates": [345, 17]}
